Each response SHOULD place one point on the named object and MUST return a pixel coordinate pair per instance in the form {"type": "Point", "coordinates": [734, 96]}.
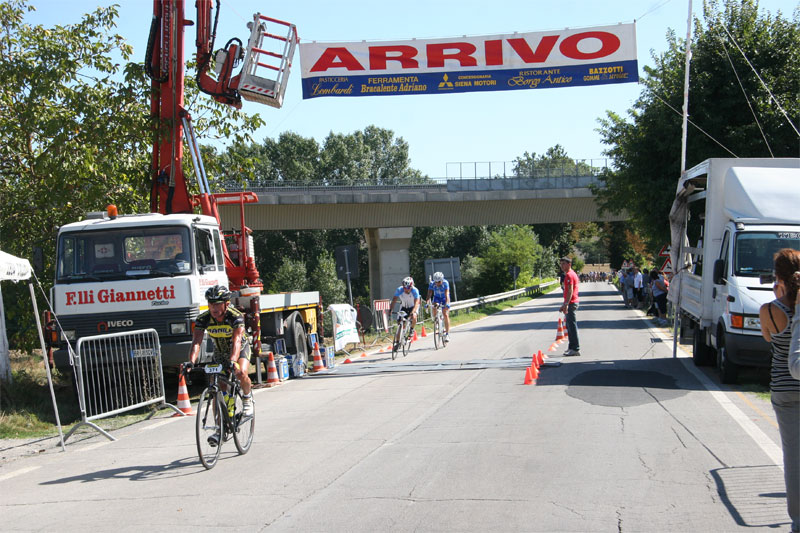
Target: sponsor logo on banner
{"type": "Point", "coordinates": [344, 326]}
{"type": "Point", "coordinates": [565, 58]}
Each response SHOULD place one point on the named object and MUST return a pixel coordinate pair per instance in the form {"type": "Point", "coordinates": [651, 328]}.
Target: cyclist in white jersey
{"type": "Point", "coordinates": [408, 296]}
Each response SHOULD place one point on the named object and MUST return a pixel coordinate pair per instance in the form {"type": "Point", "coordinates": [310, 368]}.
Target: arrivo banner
{"type": "Point", "coordinates": [540, 60]}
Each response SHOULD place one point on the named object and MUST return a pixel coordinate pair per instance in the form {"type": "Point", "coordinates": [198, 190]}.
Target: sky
{"type": "Point", "coordinates": [442, 131]}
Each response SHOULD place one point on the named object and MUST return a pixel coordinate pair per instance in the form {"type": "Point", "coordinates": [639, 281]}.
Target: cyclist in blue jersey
{"type": "Point", "coordinates": [439, 289]}
{"type": "Point", "coordinates": [408, 296]}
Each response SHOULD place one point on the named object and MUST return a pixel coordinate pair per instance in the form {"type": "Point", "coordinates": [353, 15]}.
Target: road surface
{"type": "Point", "coordinates": [623, 438]}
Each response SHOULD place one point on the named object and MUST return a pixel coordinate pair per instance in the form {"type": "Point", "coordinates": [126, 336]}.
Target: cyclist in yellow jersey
{"type": "Point", "coordinates": [225, 325]}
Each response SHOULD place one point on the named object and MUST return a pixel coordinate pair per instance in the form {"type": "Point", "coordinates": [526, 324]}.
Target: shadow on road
{"type": "Point", "coordinates": [137, 473]}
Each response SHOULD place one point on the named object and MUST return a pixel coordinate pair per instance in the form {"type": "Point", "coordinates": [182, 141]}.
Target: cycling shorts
{"type": "Point", "coordinates": [407, 311]}
{"type": "Point", "coordinates": [441, 303]}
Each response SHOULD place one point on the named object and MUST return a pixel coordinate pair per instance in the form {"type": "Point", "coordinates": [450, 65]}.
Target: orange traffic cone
{"type": "Point", "coordinates": [317, 359]}
{"type": "Point", "coordinates": [534, 373]}
{"type": "Point", "coordinates": [272, 372]}
{"type": "Point", "coordinates": [346, 361]}
{"type": "Point", "coordinates": [184, 404]}
{"type": "Point", "coordinates": [534, 361]}
{"type": "Point", "coordinates": [540, 358]}
{"type": "Point", "coordinates": [560, 332]}
{"type": "Point", "coordinates": [423, 331]}
{"type": "Point", "coordinates": [528, 377]}
{"type": "Point", "coordinates": [552, 347]}
{"type": "Point", "coordinates": [414, 338]}
{"type": "Point", "coordinates": [363, 354]}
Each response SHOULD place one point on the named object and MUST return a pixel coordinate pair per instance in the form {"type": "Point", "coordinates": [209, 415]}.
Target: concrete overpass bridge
{"type": "Point", "coordinates": [389, 212]}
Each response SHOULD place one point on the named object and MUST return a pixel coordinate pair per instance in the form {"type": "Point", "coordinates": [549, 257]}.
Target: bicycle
{"type": "Point", "coordinates": [220, 415]}
{"type": "Point", "coordinates": [439, 333]}
{"type": "Point", "coordinates": [403, 335]}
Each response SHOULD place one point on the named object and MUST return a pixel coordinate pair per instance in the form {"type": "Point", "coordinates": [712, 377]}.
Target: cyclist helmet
{"type": "Point", "coordinates": [218, 293]}
{"type": "Point", "coordinates": [408, 282]}
{"type": "Point", "coordinates": [437, 277]}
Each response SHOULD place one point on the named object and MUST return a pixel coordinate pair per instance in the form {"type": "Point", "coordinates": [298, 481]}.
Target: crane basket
{"type": "Point", "coordinates": [267, 84]}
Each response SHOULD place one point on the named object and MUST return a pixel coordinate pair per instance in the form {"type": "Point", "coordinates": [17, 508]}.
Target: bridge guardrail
{"type": "Point", "coordinates": [483, 300]}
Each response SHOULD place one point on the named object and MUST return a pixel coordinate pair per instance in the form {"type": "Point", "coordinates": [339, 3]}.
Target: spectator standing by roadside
{"type": "Point", "coordinates": [794, 349]}
{"type": "Point", "coordinates": [570, 306]}
{"type": "Point", "coordinates": [630, 299]}
{"type": "Point", "coordinates": [659, 288]}
{"type": "Point", "coordinates": [776, 328]}
{"type": "Point", "coordinates": [637, 287]}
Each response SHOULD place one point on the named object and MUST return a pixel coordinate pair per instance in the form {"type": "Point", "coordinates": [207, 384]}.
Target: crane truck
{"type": "Point", "coordinates": [117, 273]}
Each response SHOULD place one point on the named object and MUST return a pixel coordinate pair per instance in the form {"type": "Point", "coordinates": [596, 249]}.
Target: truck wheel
{"type": "Point", "coordinates": [300, 345]}
{"type": "Point", "coordinates": [702, 354]}
{"type": "Point", "coordinates": [728, 370]}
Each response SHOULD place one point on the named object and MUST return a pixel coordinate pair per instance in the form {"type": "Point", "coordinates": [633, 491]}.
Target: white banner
{"type": "Point", "coordinates": [344, 326]}
{"type": "Point", "coordinates": [535, 60]}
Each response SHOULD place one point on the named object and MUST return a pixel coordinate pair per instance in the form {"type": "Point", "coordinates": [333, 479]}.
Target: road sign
{"type": "Point", "coordinates": [664, 252]}
{"type": "Point", "coordinates": [666, 268]}
{"type": "Point", "coordinates": [514, 271]}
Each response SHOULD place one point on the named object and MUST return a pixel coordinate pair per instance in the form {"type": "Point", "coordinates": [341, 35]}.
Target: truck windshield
{"type": "Point", "coordinates": [754, 250]}
{"type": "Point", "coordinates": [123, 253]}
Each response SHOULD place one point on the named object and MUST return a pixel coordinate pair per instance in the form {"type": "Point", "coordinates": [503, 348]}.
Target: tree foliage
{"type": "Point", "coordinates": [646, 145]}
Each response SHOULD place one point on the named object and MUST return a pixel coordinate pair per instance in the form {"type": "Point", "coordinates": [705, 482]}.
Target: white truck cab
{"type": "Point", "coordinates": [729, 218]}
{"type": "Point", "coordinates": [135, 272]}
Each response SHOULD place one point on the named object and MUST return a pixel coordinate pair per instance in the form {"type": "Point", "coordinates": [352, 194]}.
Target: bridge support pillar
{"type": "Point", "coordinates": [388, 259]}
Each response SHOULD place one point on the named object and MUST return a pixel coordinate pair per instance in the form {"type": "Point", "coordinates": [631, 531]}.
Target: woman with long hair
{"type": "Point", "coordinates": [776, 321]}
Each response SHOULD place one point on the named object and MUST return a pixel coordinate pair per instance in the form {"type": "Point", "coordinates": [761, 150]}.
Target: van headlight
{"type": "Point", "coordinates": [752, 322]}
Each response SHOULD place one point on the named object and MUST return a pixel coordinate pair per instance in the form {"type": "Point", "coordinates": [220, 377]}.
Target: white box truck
{"type": "Point", "coordinates": [729, 218]}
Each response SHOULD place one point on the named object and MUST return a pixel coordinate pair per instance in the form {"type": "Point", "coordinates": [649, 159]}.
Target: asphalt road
{"type": "Point", "coordinates": [622, 438]}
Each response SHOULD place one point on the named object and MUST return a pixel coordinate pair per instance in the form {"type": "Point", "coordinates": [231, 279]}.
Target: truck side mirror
{"type": "Point", "coordinates": [719, 272]}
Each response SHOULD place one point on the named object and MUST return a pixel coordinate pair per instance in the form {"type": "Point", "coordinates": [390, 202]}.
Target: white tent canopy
{"type": "Point", "coordinates": [17, 269]}
{"type": "Point", "coordinates": [14, 268]}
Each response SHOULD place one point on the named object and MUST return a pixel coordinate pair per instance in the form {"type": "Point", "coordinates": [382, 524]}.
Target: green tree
{"type": "Point", "coordinates": [510, 245]}
{"type": "Point", "coordinates": [554, 162]}
{"type": "Point", "coordinates": [646, 146]}
{"type": "Point", "coordinates": [290, 276]}
{"type": "Point", "coordinates": [331, 289]}
{"type": "Point", "coordinates": [75, 132]}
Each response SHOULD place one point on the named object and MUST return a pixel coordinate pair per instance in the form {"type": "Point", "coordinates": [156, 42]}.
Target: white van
{"type": "Point", "coordinates": [729, 218]}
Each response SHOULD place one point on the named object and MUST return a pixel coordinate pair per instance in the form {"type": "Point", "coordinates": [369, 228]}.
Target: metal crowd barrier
{"type": "Point", "coordinates": [118, 372]}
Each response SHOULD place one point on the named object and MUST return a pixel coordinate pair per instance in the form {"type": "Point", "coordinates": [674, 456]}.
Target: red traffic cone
{"type": "Point", "coordinates": [423, 334]}
{"type": "Point", "coordinates": [346, 361]}
{"type": "Point", "coordinates": [317, 359]}
{"type": "Point", "coordinates": [184, 405]}
{"type": "Point", "coordinates": [528, 377]}
{"type": "Point", "coordinates": [272, 372]}
{"type": "Point", "coordinates": [414, 338]}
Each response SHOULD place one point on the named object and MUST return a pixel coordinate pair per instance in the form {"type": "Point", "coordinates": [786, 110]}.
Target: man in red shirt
{"type": "Point", "coordinates": [570, 306]}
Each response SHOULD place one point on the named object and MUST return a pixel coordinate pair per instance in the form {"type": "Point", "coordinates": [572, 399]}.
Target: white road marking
{"type": "Point", "coordinates": [19, 472]}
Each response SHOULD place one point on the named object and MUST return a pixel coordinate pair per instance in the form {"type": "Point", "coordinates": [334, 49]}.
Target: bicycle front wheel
{"type": "Point", "coordinates": [209, 428]}
{"type": "Point", "coordinates": [407, 340]}
{"type": "Point", "coordinates": [245, 426]}
{"type": "Point", "coordinates": [437, 333]}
